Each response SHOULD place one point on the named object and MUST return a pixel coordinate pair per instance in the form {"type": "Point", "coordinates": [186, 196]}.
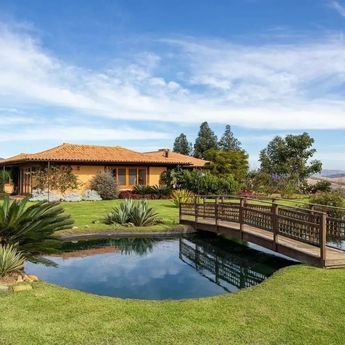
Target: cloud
{"type": "Point", "coordinates": [79, 134]}
{"type": "Point", "coordinates": [277, 86]}
{"type": "Point", "coordinates": [338, 7]}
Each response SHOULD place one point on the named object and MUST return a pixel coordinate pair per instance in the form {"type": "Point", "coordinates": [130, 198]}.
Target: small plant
{"type": "Point", "coordinates": [72, 197]}
{"type": "Point", "coordinates": [104, 184]}
{"type": "Point", "coordinates": [130, 213]}
{"type": "Point", "coordinates": [121, 214]}
{"type": "Point", "coordinates": [153, 192]}
{"type": "Point", "coordinates": [181, 195]}
{"type": "Point", "coordinates": [91, 195]}
{"type": "Point", "coordinates": [40, 195]}
{"type": "Point", "coordinates": [5, 177]}
{"type": "Point", "coordinates": [31, 228]}
{"type": "Point", "coordinates": [143, 215]}
{"type": "Point", "coordinates": [10, 260]}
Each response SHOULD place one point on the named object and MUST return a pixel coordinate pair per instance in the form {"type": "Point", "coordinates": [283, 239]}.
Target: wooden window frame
{"type": "Point", "coordinates": [127, 185]}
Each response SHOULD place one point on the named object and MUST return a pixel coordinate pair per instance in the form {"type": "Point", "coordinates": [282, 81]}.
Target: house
{"type": "Point", "coordinates": [128, 167]}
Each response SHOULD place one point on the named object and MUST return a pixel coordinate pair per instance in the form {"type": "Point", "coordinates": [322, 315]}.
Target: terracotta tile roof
{"type": "Point", "coordinates": [99, 154]}
{"type": "Point", "coordinates": [192, 161]}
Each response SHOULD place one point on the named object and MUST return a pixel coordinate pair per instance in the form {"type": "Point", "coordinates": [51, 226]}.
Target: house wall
{"type": "Point", "coordinates": [155, 174]}
{"type": "Point", "coordinates": [85, 173]}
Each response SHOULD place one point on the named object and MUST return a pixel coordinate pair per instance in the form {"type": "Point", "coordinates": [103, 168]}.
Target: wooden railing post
{"type": "Point", "coordinates": [275, 224]}
{"type": "Point", "coordinates": [195, 212]}
{"type": "Point", "coordinates": [241, 216]}
{"type": "Point", "coordinates": [204, 200]}
{"type": "Point", "coordinates": [323, 238]}
{"type": "Point", "coordinates": [216, 213]}
{"type": "Point", "coordinates": [179, 210]}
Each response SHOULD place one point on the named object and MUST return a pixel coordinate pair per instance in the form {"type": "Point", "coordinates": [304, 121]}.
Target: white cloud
{"type": "Point", "coordinates": [79, 134]}
{"type": "Point", "coordinates": [340, 8]}
{"type": "Point", "coordinates": [292, 86]}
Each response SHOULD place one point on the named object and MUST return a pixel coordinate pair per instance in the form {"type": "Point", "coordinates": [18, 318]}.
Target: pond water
{"type": "Point", "coordinates": [197, 265]}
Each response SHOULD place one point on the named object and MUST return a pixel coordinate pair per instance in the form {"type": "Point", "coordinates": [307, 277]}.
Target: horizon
{"type": "Point", "coordinates": [138, 73]}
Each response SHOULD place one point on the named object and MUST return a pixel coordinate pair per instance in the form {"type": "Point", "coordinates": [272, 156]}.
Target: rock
{"type": "Point", "coordinates": [21, 287]}
{"type": "Point", "coordinates": [33, 278]}
{"type": "Point", "coordinates": [75, 228]}
{"type": "Point", "coordinates": [4, 289]}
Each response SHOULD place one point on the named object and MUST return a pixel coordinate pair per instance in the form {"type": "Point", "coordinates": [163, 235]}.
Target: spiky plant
{"type": "Point", "coordinates": [10, 260]}
{"type": "Point", "coordinates": [31, 228]}
{"type": "Point", "coordinates": [120, 214]}
{"type": "Point", "coordinates": [131, 213]}
{"type": "Point", "coordinates": [144, 215]}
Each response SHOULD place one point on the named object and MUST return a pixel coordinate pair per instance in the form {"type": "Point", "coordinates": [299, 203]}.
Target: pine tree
{"type": "Point", "coordinates": [228, 142]}
{"type": "Point", "coordinates": [205, 141]}
{"type": "Point", "coordinates": [181, 145]}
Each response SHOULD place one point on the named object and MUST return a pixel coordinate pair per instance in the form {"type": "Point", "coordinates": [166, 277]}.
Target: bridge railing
{"type": "Point", "coordinates": [305, 225]}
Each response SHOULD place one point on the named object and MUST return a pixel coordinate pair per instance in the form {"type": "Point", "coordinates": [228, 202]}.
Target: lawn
{"type": "Point", "coordinates": [298, 305]}
{"type": "Point", "coordinates": [87, 216]}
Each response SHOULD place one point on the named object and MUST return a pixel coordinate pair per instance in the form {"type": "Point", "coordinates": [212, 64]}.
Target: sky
{"type": "Point", "coordinates": [137, 73]}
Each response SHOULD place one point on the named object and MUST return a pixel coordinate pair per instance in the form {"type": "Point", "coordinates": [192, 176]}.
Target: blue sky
{"type": "Point", "coordinates": [138, 73]}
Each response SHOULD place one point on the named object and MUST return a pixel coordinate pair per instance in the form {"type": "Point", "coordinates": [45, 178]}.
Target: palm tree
{"type": "Point", "coordinates": [31, 228]}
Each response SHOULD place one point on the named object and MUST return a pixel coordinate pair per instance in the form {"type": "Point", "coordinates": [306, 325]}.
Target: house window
{"type": "Point", "coordinates": [121, 176]}
{"type": "Point", "coordinates": [133, 178]}
{"type": "Point", "coordinates": [128, 176]}
{"type": "Point", "coordinates": [142, 176]}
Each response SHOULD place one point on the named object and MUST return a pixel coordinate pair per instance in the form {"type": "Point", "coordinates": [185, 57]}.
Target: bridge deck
{"type": "Point", "coordinates": [295, 249]}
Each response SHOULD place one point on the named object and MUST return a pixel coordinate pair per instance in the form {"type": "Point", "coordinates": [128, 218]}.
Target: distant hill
{"type": "Point", "coordinates": [331, 173]}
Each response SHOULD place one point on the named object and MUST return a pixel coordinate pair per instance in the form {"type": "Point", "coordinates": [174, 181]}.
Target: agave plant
{"type": "Point", "coordinates": [143, 215]}
{"type": "Point", "coordinates": [131, 213]}
{"type": "Point", "coordinates": [120, 214]}
{"type": "Point", "coordinates": [31, 228]}
{"type": "Point", "coordinates": [10, 260]}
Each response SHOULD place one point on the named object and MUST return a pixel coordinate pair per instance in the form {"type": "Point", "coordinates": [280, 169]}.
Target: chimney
{"type": "Point", "coordinates": [165, 152]}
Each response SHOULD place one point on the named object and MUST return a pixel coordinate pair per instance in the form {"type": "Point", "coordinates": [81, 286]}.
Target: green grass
{"type": "Point", "coordinates": [298, 305]}
{"type": "Point", "coordinates": [87, 216]}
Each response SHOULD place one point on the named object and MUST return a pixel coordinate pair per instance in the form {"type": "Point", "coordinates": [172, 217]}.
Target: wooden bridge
{"type": "Point", "coordinates": [306, 235]}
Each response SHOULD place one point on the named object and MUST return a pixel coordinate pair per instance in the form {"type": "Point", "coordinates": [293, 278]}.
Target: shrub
{"type": "Point", "coordinates": [72, 197]}
{"type": "Point", "coordinates": [40, 195]}
{"type": "Point", "coordinates": [4, 178]}
{"type": "Point", "coordinates": [181, 195]}
{"type": "Point", "coordinates": [130, 213]}
{"type": "Point", "coordinates": [203, 182]}
{"type": "Point", "coordinates": [10, 260]}
{"type": "Point", "coordinates": [154, 192]}
{"type": "Point", "coordinates": [31, 228]}
{"type": "Point", "coordinates": [91, 195]}
{"type": "Point", "coordinates": [320, 186]}
{"type": "Point", "coordinates": [104, 184]}
{"type": "Point", "coordinates": [334, 199]}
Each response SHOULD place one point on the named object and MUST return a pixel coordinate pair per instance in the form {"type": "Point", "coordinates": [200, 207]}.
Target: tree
{"type": "Point", "coordinates": [205, 141]}
{"type": "Point", "coordinates": [57, 178]}
{"type": "Point", "coordinates": [289, 159]}
{"type": "Point", "coordinates": [181, 145]}
{"type": "Point", "coordinates": [224, 163]}
{"type": "Point", "coordinates": [228, 141]}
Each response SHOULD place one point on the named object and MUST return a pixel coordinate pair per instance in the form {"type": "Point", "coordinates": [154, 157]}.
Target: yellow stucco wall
{"type": "Point", "coordinates": [85, 173]}
{"type": "Point", "coordinates": [155, 174]}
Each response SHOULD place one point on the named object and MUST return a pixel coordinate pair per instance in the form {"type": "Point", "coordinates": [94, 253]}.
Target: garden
{"type": "Point", "coordinates": [296, 305]}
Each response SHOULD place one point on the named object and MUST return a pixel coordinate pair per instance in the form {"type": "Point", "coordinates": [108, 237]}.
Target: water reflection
{"type": "Point", "coordinates": [152, 268]}
{"type": "Point", "coordinates": [126, 246]}
{"type": "Point", "coordinates": [228, 264]}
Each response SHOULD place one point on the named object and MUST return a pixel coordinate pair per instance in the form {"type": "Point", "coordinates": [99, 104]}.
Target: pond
{"type": "Point", "coordinates": [190, 266]}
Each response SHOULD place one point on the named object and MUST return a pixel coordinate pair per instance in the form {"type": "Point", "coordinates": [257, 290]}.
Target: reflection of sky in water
{"type": "Point", "coordinates": [159, 274]}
